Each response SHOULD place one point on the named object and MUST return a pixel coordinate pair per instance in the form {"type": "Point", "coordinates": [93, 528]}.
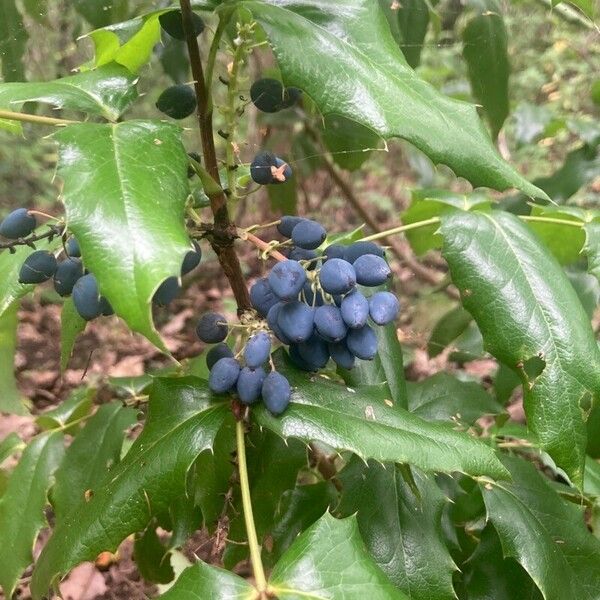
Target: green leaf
{"type": "Point", "coordinates": [74, 408]}
{"type": "Point", "coordinates": [375, 87]}
{"type": "Point", "coordinates": [428, 203]}
{"type": "Point", "coordinates": [13, 41]}
{"type": "Point", "coordinates": [174, 60]}
{"type": "Point", "coordinates": [485, 51]}
{"type": "Point", "coordinates": [10, 265]}
{"type": "Point", "coordinates": [587, 288]}
{"type": "Point", "coordinates": [99, 14]}
{"type": "Point", "coordinates": [592, 247]}
{"type": "Point", "coordinates": [106, 92]}
{"type": "Point", "coordinates": [443, 397]}
{"type": "Point", "coordinates": [71, 325]}
{"type": "Point", "coordinates": [453, 324]}
{"type": "Point", "coordinates": [487, 574]}
{"type": "Point", "coordinates": [128, 219]}
{"type": "Point", "coordinates": [329, 561]}
{"type": "Point", "coordinates": [152, 558]}
{"type": "Point", "coordinates": [181, 423]}
{"type": "Point", "coordinates": [402, 531]}
{"type": "Point", "coordinates": [9, 445]}
{"type": "Point", "coordinates": [588, 7]}
{"type": "Point", "coordinates": [545, 534]}
{"type": "Point", "coordinates": [11, 400]}
{"type": "Point", "coordinates": [205, 581]}
{"type": "Point", "coordinates": [94, 451]}
{"type": "Point", "coordinates": [284, 198]}
{"type": "Point", "coordinates": [526, 309]}
{"type": "Point", "coordinates": [360, 420]}
{"type": "Point", "coordinates": [530, 122]}
{"type": "Point", "coordinates": [22, 506]}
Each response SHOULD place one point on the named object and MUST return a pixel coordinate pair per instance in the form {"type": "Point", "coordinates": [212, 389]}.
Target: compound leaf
{"type": "Point", "coordinates": [11, 400]}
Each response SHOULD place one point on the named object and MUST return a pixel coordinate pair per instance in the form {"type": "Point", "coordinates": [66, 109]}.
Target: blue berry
{"type": "Point", "coordinates": [286, 225]}
{"type": "Point", "coordinates": [258, 349]}
{"type": "Point", "coordinates": [329, 323]}
{"type": "Point", "coordinates": [287, 171]}
{"type": "Point", "coordinates": [267, 95]}
{"type": "Point", "coordinates": [105, 308]}
{"type": "Point", "coordinates": [287, 279]}
{"type": "Point", "coordinates": [299, 254]}
{"type": "Point", "coordinates": [314, 351]}
{"type": "Point", "coordinates": [355, 310]}
{"type": "Point", "coordinates": [296, 321]}
{"type": "Point", "coordinates": [298, 361]}
{"type": "Point", "coordinates": [191, 260]}
{"type": "Point", "coordinates": [216, 353]}
{"type": "Point", "coordinates": [371, 270]}
{"type": "Point", "coordinates": [353, 251]}
{"type": "Point", "coordinates": [167, 291]}
{"type": "Point", "coordinates": [86, 297]}
{"type": "Point", "coordinates": [38, 267]}
{"type": "Point", "coordinates": [249, 384]}
{"type": "Point", "coordinates": [212, 328]}
{"type": "Point", "coordinates": [308, 234]}
{"type": "Point", "coordinates": [341, 355]}
{"type": "Point", "coordinates": [261, 168]}
{"type": "Point", "coordinates": [172, 23]}
{"type": "Point", "coordinates": [72, 247]}
{"type": "Point", "coordinates": [17, 224]}
{"type": "Point", "coordinates": [224, 375]}
{"type": "Point", "coordinates": [272, 320]}
{"type": "Point", "coordinates": [337, 276]}
{"type": "Point", "coordinates": [262, 297]}
{"type": "Point", "coordinates": [177, 101]}
{"type": "Point", "coordinates": [67, 274]}
{"type": "Point", "coordinates": [335, 251]}
{"type": "Point", "coordinates": [383, 307]}
{"type": "Point", "coordinates": [362, 342]}
{"type": "Point", "coordinates": [276, 392]}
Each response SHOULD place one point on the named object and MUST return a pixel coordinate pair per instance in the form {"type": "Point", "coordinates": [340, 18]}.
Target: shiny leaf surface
{"type": "Point", "coordinates": [76, 406]}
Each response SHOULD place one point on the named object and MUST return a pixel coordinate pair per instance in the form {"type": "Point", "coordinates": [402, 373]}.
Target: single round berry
{"type": "Point", "coordinates": [383, 307]}
{"type": "Point", "coordinates": [298, 361]}
{"type": "Point", "coordinates": [105, 308]}
{"type": "Point", "coordinates": [67, 274]}
{"type": "Point", "coordinates": [191, 260]}
{"type": "Point", "coordinates": [177, 101]}
{"type": "Point", "coordinates": [38, 267]}
{"type": "Point", "coordinates": [212, 328]}
{"type": "Point", "coordinates": [224, 375]}
{"type": "Point", "coordinates": [172, 23]}
{"type": "Point", "coordinates": [303, 254]}
{"type": "Point", "coordinates": [190, 170]}
{"type": "Point", "coordinates": [257, 349]}
{"type": "Point", "coordinates": [362, 342]}
{"type": "Point", "coordinates": [355, 310]}
{"type": "Point", "coordinates": [216, 353]}
{"type": "Point", "coordinates": [337, 276]}
{"type": "Point", "coordinates": [17, 224]}
{"type": "Point", "coordinates": [249, 384]}
{"type": "Point", "coordinates": [371, 270]}
{"type": "Point", "coordinates": [308, 234]}
{"type": "Point", "coordinates": [287, 223]}
{"type": "Point", "coordinates": [341, 355]}
{"type": "Point", "coordinates": [291, 95]}
{"type": "Point", "coordinates": [167, 291]}
{"type": "Point", "coordinates": [287, 279]}
{"type": "Point", "coordinates": [272, 320]}
{"type": "Point", "coordinates": [261, 168]}
{"type": "Point", "coordinates": [282, 175]}
{"type": "Point", "coordinates": [335, 251]}
{"type": "Point", "coordinates": [329, 323]}
{"type": "Point", "coordinates": [72, 248]}
{"type": "Point", "coordinates": [267, 95]}
{"type": "Point", "coordinates": [314, 351]}
{"type": "Point", "coordinates": [262, 297]}
{"type": "Point", "coordinates": [86, 297]}
{"type": "Point", "coordinates": [276, 392]}
{"type": "Point", "coordinates": [296, 320]}
{"type": "Point", "coordinates": [353, 251]}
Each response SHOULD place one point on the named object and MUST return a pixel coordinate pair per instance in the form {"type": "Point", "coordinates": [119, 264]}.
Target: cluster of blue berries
{"type": "Point", "coordinates": [69, 275]}
{"type": "Point", "coordinates": [311, 303]}
{"type": "Point", "coordinates": [269, 95]}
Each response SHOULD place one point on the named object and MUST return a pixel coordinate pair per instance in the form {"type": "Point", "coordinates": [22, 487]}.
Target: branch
{"type": "Point", "coordinates": [54, 231]}
{"type": "Point", "coordinates": [27, 118]}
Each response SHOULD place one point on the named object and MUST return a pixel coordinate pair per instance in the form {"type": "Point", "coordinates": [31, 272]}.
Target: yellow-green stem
{"type": "Point", "coordinates": [401, 229]}
{"type": "Point", "coordinates": [257, 566]}
{"type": "Point", "coordinates": [26, 118]}
{"type": "Point", "coordinates": [212, 55]}
{"type": "Point", "coordinates": [539, 219]}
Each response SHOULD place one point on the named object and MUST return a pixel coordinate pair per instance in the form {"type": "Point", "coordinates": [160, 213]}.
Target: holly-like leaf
{"type": "Point", "coordinates": [127, 217]}
{"type": "Point", "coordinates": [22, 506]}
{"type": "Point", "coordinates": [71, 325]}
{"type": "Point", "coordinates": [182, 422]}
{"type": "Point", "coordinates": [205, 581]}
{"type": "Point", "coordinates": [9, 445]}
{"type": "Point", "coordinates": [443, 397]}
{"type": "Point", "coordinates": [527, 311]}
{"type": "Point", "coordinates": [486, 53]}
{"type": "Point", "coordinates": [448, 329]}
{"type": "Point", "coordinates": [106, 92]}
{"type": "Point", "coordinates": [373, 85]}
{"type": "Point", "coordinates": [402, 530]}
{"type": "Point", "coordinates": [152, 558]}
{"type": "Point", "coordinates": [13, 41]}
{"type": "Point", "coordinates": [70, 411]}
{"type": "Point", "coordinates": [544, 533]}
{"type": "Point", "coordinates": [365, 421]}
{"type": "Point", "coordinates": [329, 561]}
{"type": "Point", "coordinates": [11, 400]}
{"type": "Point", "coordinates": [94, 451]}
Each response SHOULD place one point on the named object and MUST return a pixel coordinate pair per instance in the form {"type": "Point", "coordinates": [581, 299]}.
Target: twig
{"type": "Point", "coordinates": [54, 230]}
{"type": "Point", "coordinates": [27, 118]}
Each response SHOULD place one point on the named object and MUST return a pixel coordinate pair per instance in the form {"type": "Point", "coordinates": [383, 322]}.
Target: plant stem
{"type": "Point", "coordinates": [223, 239]}
{"type": "Point", "coordinates": [539, 219]}
{"type": "Point", "coordinates": [262, 245]}
{"type": "Point", "coordinates": [257, 566]}
{"type": "Point", "coordinates": [27, 118]}
{"type": "Point", "coordinates": [401, 229]}
{"type": "Point", "coordinates": [212, 54]}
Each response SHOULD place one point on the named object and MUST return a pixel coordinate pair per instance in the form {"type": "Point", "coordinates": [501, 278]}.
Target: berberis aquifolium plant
{"type": "Point", "coordinates": [294, 441]}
